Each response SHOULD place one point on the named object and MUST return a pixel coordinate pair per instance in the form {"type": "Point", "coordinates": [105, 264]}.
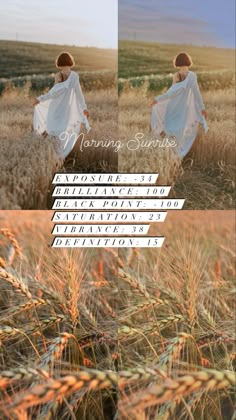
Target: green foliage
{"type": "Point", "coordinates": [89, 81]}
{"type": "Point", "coordinates": [154, 83]}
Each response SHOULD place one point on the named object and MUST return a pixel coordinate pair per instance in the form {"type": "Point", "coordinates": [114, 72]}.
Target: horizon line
{"type": "Point", "coordinates": [59, 44]}
{"type": "Point", "coordinates": [175, 43]}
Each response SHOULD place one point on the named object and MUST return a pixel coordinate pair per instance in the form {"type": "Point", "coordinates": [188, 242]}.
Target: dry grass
{"type": "Point", "coordinates": [28, 162]}
{"type": "Point", "coordinates": [165, 322]}
{"type": "Point", "coordinates": [206, 176]}
{"type": "Point", "coordinates": [134, 117]}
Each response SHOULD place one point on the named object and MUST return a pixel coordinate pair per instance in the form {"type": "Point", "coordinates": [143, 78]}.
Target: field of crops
{"type": "Point", "coordinates": [206, 176]}
{"type": "Point", "coordinates": [27, 161]}
{"type": "Point", "coordinates": [147, 335]}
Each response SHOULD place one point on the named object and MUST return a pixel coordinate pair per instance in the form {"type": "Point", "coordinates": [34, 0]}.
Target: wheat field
{"type": "Point", "coordinates": [28, 161]}
{"type": "Point", "coordinates": [137, 58]}
{"type": "Point", "coordinates": [205, 178]}
{"type": "Point", "coordinates": [21, 58]}
{"type": "Point", "coordinates": [96, 334]}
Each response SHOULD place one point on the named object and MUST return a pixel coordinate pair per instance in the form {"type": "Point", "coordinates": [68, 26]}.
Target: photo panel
{"type": "Point", "coordinates": [177, 321]}
{"type": "Point", "coordinates": [177, 96]}
{"type": "Point", "coordinates": [58, 324]}
{"type": "Point", "coordinates": [117, 210]}
{"type": "Point", "coordinates": [58, 95]}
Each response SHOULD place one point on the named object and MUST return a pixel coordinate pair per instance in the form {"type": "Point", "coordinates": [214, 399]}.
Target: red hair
{"type": "Point", "coordinates": [183, 59]}
{"type": "Point", "coordinates": [65, 59]}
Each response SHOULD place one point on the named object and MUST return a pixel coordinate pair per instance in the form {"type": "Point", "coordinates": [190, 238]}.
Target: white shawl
{"type": "Point", "coordinates": [60, 113]}
{"type": "Point", "coordinates": [178, 113]}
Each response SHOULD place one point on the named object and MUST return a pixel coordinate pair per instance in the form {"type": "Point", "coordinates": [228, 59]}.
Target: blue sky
{"type": "Point", "coordinates": [198, 22]}
{"type": "Point", "coordinates": [71, 22]}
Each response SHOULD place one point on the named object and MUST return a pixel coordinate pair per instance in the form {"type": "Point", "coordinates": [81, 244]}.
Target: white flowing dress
{"type": "Point", "coordinates": [178, 113]}
{"type": "Point", "coordinates": [60, 113]}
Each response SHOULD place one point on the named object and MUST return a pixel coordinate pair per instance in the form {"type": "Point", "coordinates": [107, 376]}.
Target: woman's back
{"type": "Point", "coordinates": [61, 77]}
{"type": "Point", "coordinates": [179, 77]}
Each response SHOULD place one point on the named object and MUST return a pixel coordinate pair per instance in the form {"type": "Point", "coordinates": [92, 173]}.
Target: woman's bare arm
{"type": "Point", "coordinates": [175, 78]}
{"type": "Point", "coordinates": [57, 78]}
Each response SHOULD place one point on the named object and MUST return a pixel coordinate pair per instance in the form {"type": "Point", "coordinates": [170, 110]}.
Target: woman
{"type": "Point", "coordinates": [179, 111]}
{"type": "Point", "coordinates": [62, 110]}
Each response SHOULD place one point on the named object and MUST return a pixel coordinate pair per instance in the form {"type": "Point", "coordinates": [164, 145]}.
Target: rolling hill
{"type": "Point", "coordinates": [138, 58]}
{"type": "Point", "coordinates": [26, 58]}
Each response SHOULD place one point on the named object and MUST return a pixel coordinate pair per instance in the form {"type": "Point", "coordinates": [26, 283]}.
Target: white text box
{"type": "Point", "coordinates": [119, 204]}
{"type": "Point", "coordinates": [62, 191]}
{"type": "Point", "coordinates": [111, 217]}
{"type": "Point", "coordinates": [99, 242]}
{"type": "Point", "coordinates": [104, 178]}
{"type": "Point", "coordinates": [92, 230]}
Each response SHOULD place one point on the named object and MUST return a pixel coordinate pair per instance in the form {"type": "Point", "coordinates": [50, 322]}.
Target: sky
{"type": "Point", "coordinates": [197, 22]}
{"type": "Point", "coordinates": [69, 22]}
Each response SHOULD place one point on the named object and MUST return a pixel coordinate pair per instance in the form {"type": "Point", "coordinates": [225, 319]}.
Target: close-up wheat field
{"type": "Point", "coordinates": [58, 326]}
{"type": "Point", "coordinates": [134, 334]}
{"type": "Point", "coordinates": [177, 321]}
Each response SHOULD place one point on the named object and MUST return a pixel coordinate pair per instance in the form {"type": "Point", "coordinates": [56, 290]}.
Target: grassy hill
{"type": "Point", "coordinates": [27, 58]}
{"type": "Point", "coordinates": [138, 58]}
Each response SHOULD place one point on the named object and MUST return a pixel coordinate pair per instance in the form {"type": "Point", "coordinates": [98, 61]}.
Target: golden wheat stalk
{"type": "Point", "coordinates": [169, 320]}
{"type": "Point", "coordinates": [133, 283]}
{"type": "Point", "coordinates": [20, 374]}
{"type": "Point", "coordinates": [16, 283]}
{"type": "Point", "coordinates": [56, 348]}
{"type": "Point", "coordinates": [16, 249]}
{"type": "Point", "coordinates": [44, 323]}
{"type": "Point", "coordinates": [182, 387]}
{"type": "Point", "coordinates": [143, 306]}
{"type": "Point", "coordinates": [174, 348]}
{"type": "Point", "coordinates": [125, 331]}
{"type": "Point", "coordinates": [7, 331]}
{"type": "Point", "coordinates": [31, 304]}
{"type": "Point", "coordinates": [54, 297]}
{"type": "Point", "coordinates": [85, 310]}
{"type": "Point", "coordinates": [139, 374]}
{"type": "Point", "coordinates": [91, 339]}
{"type": "Point", "coordinates": [91, 380]}
{"type": "Point", "coordinates": [108, 307]}
{"type": "Point", "coordinates": [3, 263]}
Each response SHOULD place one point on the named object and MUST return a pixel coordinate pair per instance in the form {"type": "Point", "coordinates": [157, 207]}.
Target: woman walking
{"type": "Point", "coordinates": [61, 111]}
{"type": "Point", "coordinates": [178, 112]}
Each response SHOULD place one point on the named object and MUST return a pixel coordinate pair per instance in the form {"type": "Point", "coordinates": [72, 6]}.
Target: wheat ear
{"type": "Point", "coordinates": [54, 388]}
{"type": "Point", "coordinates": [56, 348]}
{"type": "Point", "coordinates": [16, 283]}
{"type": "Point", "coordinates": [182, 387]}
{"type": "Point", "coordinates": [20, 374]}
{"type": "Point", "coordinates": [133, 283]}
